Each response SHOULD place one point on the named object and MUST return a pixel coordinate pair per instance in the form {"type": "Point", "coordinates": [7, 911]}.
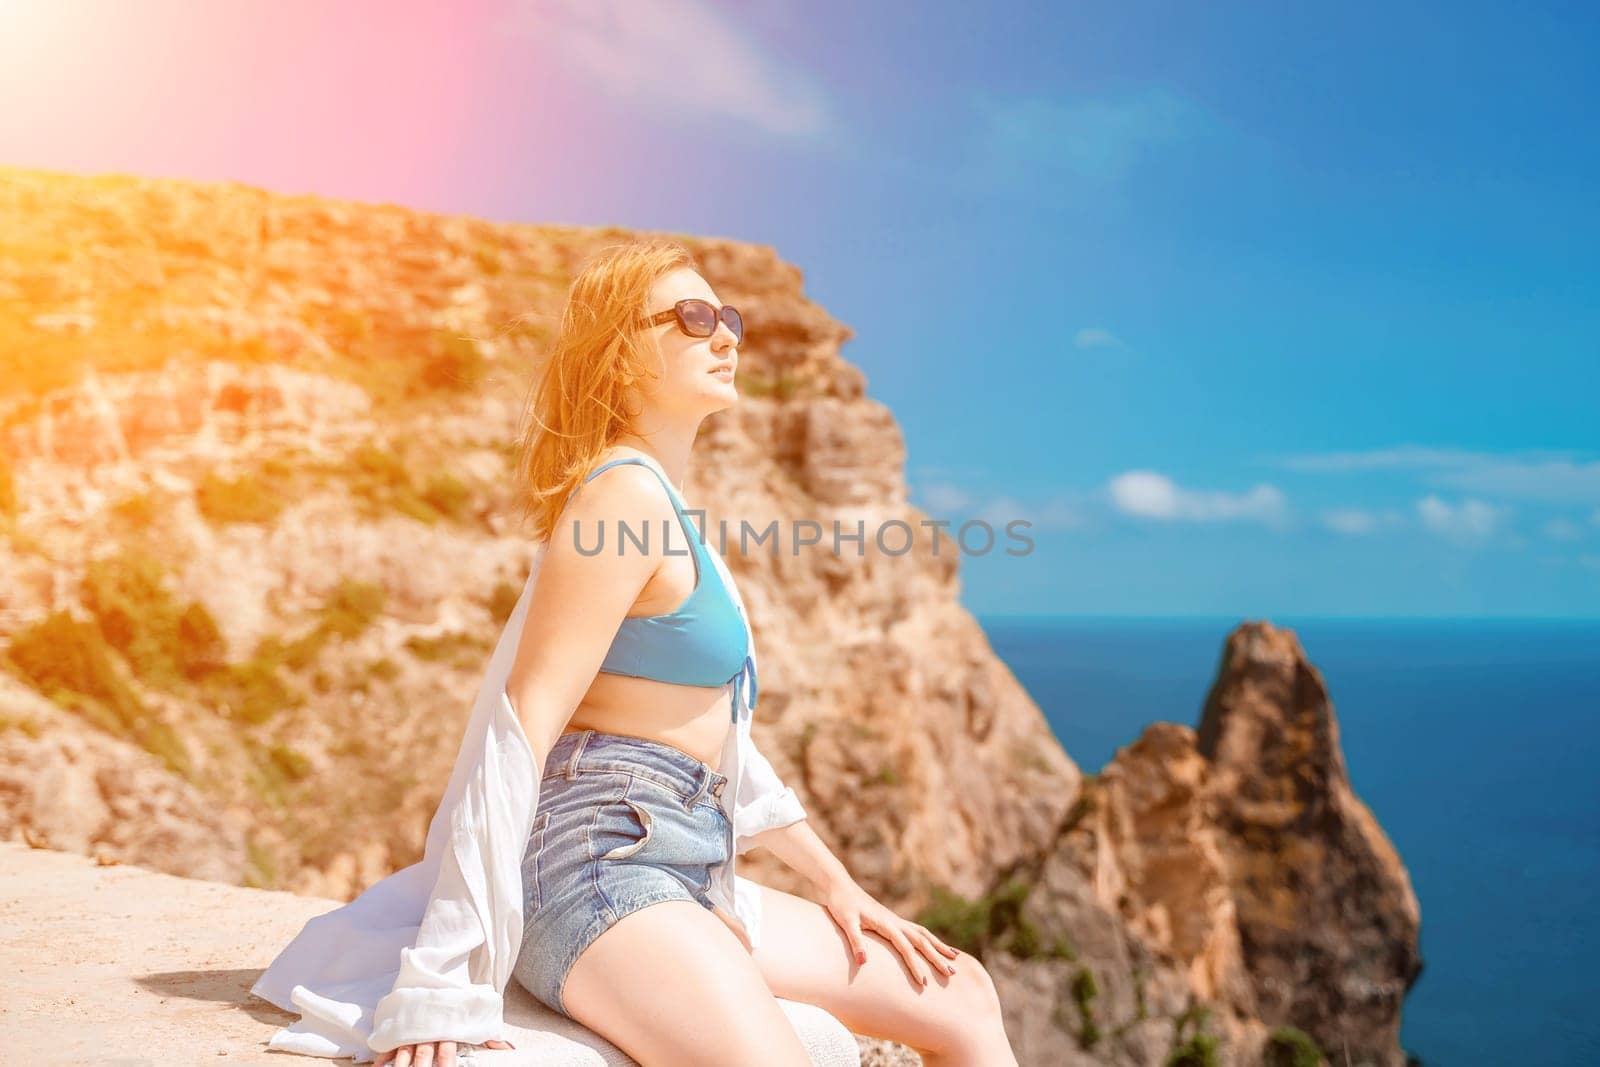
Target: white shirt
{"type": "Point", "coordinates": [425, 953]}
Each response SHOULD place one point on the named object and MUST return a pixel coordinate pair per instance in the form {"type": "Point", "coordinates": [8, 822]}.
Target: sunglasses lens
{"type": "Point", "coordinates": [699, 318]}
{"type": "Point", "coordinates": [735, 323]}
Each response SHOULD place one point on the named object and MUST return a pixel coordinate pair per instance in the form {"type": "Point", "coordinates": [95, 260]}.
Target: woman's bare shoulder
{"type": "Point", "coordinates": [623, 493]}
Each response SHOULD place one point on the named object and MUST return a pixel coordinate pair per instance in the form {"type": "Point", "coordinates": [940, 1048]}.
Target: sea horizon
{"type": "Point", "coordinates": [1276, 619]}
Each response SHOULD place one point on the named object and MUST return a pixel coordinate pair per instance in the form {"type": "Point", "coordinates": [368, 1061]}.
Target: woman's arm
{"type": "Point", "coordinates": [800, 849]}
{"type": "Point", "coordinates": [852, 908]}
{"type": "Point", "coordinates": [770, 816]}
{"type": "Point", "coordinates": [574, 608]}
{"type": "Point", "coordinates": [578, 601]}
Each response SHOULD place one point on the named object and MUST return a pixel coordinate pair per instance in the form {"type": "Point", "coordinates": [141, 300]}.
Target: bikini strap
{"type": "Point", "coordinates": [672, 495]}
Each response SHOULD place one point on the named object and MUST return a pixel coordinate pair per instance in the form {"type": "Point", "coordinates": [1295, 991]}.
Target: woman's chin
{"type": "Point", "coordinates": [722, 396]}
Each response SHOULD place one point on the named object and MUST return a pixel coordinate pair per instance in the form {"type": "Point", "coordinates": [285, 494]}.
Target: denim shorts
{"type": "Point", "coordinates": [622, 822]}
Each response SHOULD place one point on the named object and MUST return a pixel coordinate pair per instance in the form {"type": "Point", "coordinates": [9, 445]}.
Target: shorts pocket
{"type": "Point", "coordinates": [621, 828]}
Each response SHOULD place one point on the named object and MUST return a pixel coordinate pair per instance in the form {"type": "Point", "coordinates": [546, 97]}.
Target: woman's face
{"type": "Point", "coordinates": [696, 373]}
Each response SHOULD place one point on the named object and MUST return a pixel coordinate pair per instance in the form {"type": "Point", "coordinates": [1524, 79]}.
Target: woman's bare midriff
{"type": "Point", "coordinates": [692, 718]}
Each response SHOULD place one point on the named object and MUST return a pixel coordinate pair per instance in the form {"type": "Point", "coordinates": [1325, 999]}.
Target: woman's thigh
{"type": "Point", "coordinates": [803, 955]}
{"type": "Point", "coordinates": [670, 984]}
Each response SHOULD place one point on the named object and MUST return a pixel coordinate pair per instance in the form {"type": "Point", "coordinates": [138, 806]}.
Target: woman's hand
{"type": "Point", "coordinates": [425, 1054]}
{"type": "Point", "coordinates": [854, 909]}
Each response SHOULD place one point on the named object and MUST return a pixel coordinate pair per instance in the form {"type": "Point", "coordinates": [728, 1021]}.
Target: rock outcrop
{"type": "Point", "coordinates": [1219, 887]}
{"type": "Point", "coordinates": [277, 428]}
{"type": "Point", "coordinates": [1328, 923]}
{"type": "Point", "coordinates": [65, 787]}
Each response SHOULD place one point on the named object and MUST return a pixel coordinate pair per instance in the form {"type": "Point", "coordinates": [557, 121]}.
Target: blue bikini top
{"type": "Point", "coordinates": [704, 642]}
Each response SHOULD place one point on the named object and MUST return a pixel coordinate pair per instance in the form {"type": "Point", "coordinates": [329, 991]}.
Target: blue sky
{"type": "Point", "coordinates": [1252, 311]}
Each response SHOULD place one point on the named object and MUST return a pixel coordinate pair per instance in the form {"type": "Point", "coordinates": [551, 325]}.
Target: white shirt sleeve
{"type": "Point", "coordinates": [442, 991]}
{"type": "Point", "coordinates": [454, 972]}
{"type": "Point", "coordinates": [764, 802]}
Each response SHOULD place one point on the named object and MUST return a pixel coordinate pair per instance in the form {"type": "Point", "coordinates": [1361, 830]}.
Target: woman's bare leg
{"type": "Point", "coordinates": [954, 1020]}
{"type": "Point", "coordinates": [670, 984]}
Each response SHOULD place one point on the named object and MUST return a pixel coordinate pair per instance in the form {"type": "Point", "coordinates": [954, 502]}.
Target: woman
{"type": "Point", "coordinates": [623, 669]}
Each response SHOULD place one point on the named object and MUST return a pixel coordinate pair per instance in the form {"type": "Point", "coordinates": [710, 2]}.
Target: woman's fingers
{"type": "Point", "coordinates": [927, 944]}
{"type": "Point", "coordinates": [858, 944]}
{"type": "Point", "coordinates": [917, 945]}
{"type": "Point", "coordinates": [946, 949]}
{"type": "Point", "coordinates": [909, 953]}
{"type": "Point", "coordinates": [428, 1054]}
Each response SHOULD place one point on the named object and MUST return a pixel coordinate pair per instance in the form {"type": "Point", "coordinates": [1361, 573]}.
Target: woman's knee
{"type": "Point", "coordinates": [970, 1016]}
{"type": "Point", "coordinates": [974, 985]}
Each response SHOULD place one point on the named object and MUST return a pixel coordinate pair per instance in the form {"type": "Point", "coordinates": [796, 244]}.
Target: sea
{"type": "Point", "coordinates": [1475, 743]}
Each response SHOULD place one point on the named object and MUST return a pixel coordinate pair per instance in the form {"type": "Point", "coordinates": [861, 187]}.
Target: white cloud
{"type": "Point", "coordinates": [1553, 480]}
{"type": "Point", "coordinates": [1359, 522]}
{"type": "Point", "coordinates": [1052, 514]}
{"type": "Point", "coordinates": [1057, 514]}
{"type": "Point", "coordinates": [1595, 517]}
{"type": "Point", "coordinates": [945, 500]}
{"type": "Point", "coordinates": [1000, 511]}
{"type": "Point", "coordinates": [941, 497]}
{"type": "Point", "coordinates": [1533, 474]}
{"type": "Point", "coordinates": [1559, 529]}
{"type": "Point", "coordinates": [1399, 457]}
{"type": "Point", "coordinates": [1092, 337]}
{"type": "Point", "coordinates": [1351, 521]}
{"type": "Point", "coordinates": [1152, 495]}
{"type": "Point", "coordinates": [677, 57]}
{"type": "Point", "coordinates": [1590, 561]}
{"type": "Point", "coordinates": [1470, 520]}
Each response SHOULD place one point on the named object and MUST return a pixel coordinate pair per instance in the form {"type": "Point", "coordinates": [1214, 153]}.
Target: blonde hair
{"type": "Point", "coordinates": [579, 404]}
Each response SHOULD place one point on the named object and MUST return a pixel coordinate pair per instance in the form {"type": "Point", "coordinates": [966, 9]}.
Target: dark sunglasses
{"type": "Point", "coordinates": [698, 318]}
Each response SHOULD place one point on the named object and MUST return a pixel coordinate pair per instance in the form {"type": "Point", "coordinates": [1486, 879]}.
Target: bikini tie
{"type": "Point", "coordinates": [749, 689]}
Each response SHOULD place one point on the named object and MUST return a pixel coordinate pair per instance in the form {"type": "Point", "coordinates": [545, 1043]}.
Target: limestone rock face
{"type": "Point", "coordinates": [303, 409]}
{"type": "Point", "coordinates": [1328, 922]}
{"type": "Point", "coordinates": [69, 788]}
{"type": "Point", "coordinates": [1233, 866]}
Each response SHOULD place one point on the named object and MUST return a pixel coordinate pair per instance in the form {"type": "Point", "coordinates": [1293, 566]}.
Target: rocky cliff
{"type": "Point", "coordinates": [254, 488]}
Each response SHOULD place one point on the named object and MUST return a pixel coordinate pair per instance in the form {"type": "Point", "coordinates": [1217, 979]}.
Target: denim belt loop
{"type": "Point", "coordinates": [577, 750]}
{"type": "Point", "coordinates": [699, 792]}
